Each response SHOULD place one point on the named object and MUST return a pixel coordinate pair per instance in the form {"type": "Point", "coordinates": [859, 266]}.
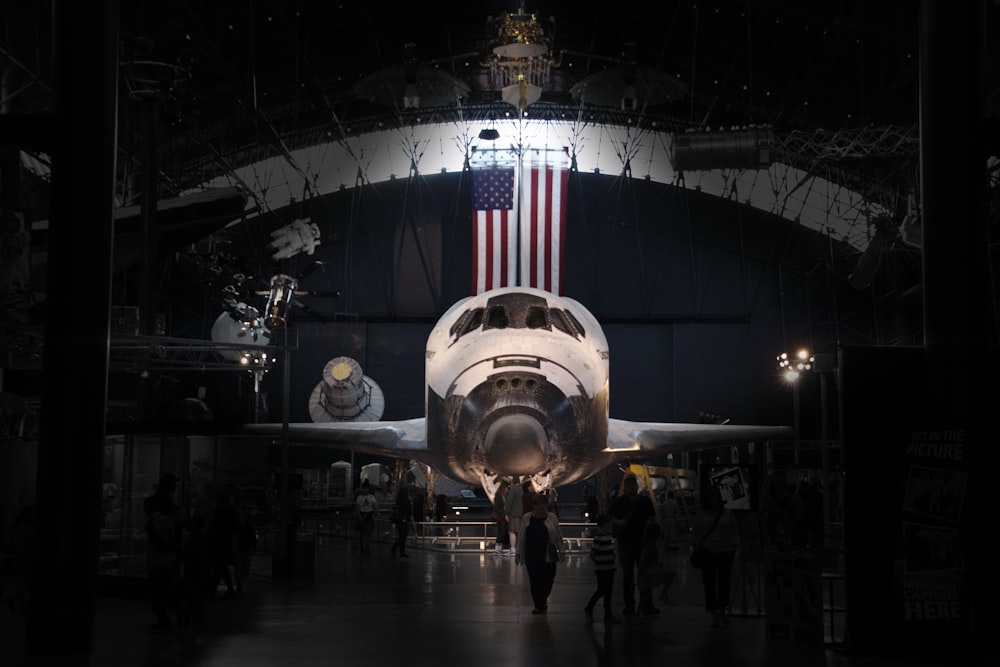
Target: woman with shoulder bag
{"type": "Point", "coordinates": [715, 539]}
{"type": "Point", "coordinates": [541, 548]}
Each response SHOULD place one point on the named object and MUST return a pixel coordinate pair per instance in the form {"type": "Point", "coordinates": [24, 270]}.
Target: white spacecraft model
{"type": "Point", "coordinates": [346, 394]}
{"type": "Point", "coordinates": [516, 385]}
{"type": "Point", "coordinates": [241, 325]}
{"type": "Point", "coordinates": [301, 235]}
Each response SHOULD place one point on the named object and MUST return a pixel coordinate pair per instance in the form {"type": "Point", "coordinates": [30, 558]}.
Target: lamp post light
{"type": "Point", "coordinates": [792, 366]}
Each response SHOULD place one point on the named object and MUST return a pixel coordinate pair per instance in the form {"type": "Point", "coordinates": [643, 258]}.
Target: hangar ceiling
{"type": "Point", "coordinates": [238, 83]}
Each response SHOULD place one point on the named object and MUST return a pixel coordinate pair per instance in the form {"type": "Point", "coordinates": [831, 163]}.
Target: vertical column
{"type": "Point", "coordinates": [149, 110]}
{"type": "Point", "coordinates": [957, 278]}
{"type": "Point", "coordinates": [64, 580]}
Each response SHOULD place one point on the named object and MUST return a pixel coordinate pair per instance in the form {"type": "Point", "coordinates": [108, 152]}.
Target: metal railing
{"type": "Point", "coordinates": [449, 536]}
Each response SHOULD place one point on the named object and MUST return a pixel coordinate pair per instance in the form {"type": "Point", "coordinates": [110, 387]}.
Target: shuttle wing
{"type": "Point", "coordinates": [629, 438]}
{"type": "Point", "coordinates": [400, 439]}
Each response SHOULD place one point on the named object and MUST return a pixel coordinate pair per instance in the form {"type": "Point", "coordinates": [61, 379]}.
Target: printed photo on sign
{"type": "Point", "coordinates": [734, 483]}
{"type": "Point", "coordinates": [934, 492]}
{"type": "Point", "coordinates": [930, 548]}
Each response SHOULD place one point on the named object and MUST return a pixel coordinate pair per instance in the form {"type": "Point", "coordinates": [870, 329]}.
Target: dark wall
{"type": "Point", "coordinates": [697, 294]}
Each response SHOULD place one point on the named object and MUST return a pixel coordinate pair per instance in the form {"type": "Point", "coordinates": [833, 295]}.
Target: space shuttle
{"type": "Point", "coordinates": [517, 386]}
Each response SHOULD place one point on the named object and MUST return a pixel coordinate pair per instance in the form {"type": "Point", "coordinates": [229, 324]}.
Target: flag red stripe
{"type": "Point", "coordinates": [549, 222]}
{"type": "Point", "coordinates": [543, 223]}
{"type": "Point", "coordinates": [531, 233]}
{"type": "Point", "coordinates": [506, 245]}
{"type": "Point", "coordinates": [490, 250]}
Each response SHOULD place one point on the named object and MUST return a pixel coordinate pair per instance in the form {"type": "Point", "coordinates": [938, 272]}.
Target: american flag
{"type": "Point", "coordinates": [544, 185]}
{"type": "Point", "coordinates": [494, 252]}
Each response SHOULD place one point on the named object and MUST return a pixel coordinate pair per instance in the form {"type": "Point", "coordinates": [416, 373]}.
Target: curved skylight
{"type": "Point", "coordinates": [640, 153]}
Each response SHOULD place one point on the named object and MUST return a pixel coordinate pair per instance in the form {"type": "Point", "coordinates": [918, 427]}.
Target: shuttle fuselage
{"type": "Point", "coordinates": [517, 384]}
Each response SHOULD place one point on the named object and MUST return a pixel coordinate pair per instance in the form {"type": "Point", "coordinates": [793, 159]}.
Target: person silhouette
{"type": "Point", "coordinates": [541, 548]}
{"type": "Point", "coordinates": [366, 508]}
{"type": "Point", "coordinates": [715, 530]}
{"type": "Point", "coordinates": [500, 517]}
{"type": "Point", "coordinates": [246, 544]}
{"type": "Point", "coordinates": [630, 512]}
{"type": "Point", "coordinates": [162, 564]}
{"type": "Point", "coordinates": [602, 554]}
{"type": "Point", "coordinates": [514, 512]}
{"type": "Point", "coordinates": [222, 527]}
{"type": "Point", "coordinates": [402, 515]}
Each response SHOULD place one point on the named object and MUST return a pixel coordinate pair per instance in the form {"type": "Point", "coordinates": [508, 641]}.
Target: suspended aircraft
{"type": "Point", "coordinates": [517, 386]}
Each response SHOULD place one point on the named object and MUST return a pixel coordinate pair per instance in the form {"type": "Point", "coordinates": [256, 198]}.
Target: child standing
{"type": "Point", "coordinates": [602, 553]}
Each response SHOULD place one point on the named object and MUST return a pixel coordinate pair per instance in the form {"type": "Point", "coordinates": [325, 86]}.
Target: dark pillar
{"type": "Point", "coordinates": [957, 279]}
{"type": "Point", "coordinates": [64, 579]}
{"type": "Point", "coordinates": [149, 109]}
{"type": "Point", "coordinates": [953, 189]}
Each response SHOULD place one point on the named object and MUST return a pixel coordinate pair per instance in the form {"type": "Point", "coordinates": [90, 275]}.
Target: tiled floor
{"type": "Point", "coordinates": [435, 608]}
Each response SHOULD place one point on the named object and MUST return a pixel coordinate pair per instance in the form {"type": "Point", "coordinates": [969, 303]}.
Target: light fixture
{"type": "Point", "coordinates": [794, 365]}
{"type": "Point", "coordinates": [489, 134]}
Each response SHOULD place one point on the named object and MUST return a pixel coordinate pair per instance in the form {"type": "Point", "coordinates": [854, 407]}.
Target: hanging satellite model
{"type": "Point", "coordinates": [628, 86]}
{"type": "Point", "coordinates": [243, 326]}
{"type": "Point", "coordinates": [346, 394]}
{"type": "Point", "coordinates": [521, 59]}
{"type": "Point", "coordinates": [411, 85]}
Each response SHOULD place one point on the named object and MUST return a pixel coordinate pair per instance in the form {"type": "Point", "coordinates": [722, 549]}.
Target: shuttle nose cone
{"type": "Point", "coordinates": [515, 444]}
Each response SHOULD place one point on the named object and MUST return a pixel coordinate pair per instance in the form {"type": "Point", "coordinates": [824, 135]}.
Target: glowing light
{"type": "Point", "coordinates": [793, 366]}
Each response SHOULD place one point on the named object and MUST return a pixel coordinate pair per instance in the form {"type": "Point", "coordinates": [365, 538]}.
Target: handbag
{"type": "Point", "coordinates": [698, 553]}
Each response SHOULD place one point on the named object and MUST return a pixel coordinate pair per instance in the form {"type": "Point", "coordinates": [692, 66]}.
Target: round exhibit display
{"type": "Point", "coordinates": [345, 394]}
{"type": "Point", "coordinates": [242, 326]}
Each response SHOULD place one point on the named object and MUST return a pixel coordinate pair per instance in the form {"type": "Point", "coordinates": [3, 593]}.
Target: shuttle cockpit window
{"type": "Point", "coordinates": [537, 318]}
{"type": "Point", "coordinates": [561, 322]}
{"type": "Point", "coordinates": [517, 310]}
{"type": "Point", "coordinates": [573, 323]}
{"type": "Point", "coordinates": [470, 320]}
{"type": "Point", "coordinates": [496, 317]}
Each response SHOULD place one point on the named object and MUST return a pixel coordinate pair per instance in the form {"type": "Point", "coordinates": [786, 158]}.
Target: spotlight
{"type": "Point", "coordinates": [794, 365]}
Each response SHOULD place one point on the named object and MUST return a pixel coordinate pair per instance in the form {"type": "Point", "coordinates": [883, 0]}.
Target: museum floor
{"type": "Point", "coordinates": [434, 608]}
